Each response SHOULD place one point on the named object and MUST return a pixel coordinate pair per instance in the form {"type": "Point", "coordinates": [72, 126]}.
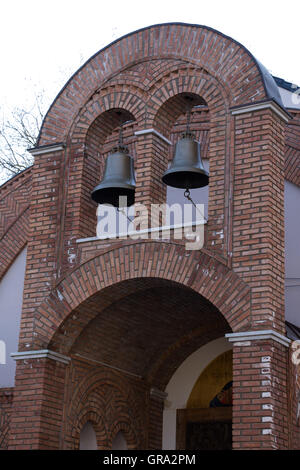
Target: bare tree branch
{"type": "Point", "coordinates": [18, 132]}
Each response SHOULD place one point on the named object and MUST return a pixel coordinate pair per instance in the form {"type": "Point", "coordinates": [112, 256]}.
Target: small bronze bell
{"type": "Point", "coordinates": [118, 179]}
{"type": "Point", "coordinates": [186, 170]}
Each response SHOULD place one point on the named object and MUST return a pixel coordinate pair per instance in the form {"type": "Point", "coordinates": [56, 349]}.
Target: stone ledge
{"type": "Point", "coordinates": [258, 335]}
{"type": "Point", "coordinates": [41, 354]}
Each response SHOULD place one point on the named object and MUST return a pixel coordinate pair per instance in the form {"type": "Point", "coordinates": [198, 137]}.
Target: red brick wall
{"type": "Point", "coordinates": [260, 409]}
{"type": "Point", "coordinates": [258, 215]}
{"type": "Point", "coordinates": [38, 405]}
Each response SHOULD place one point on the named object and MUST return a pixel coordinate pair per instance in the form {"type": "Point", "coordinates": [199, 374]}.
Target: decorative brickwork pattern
{"type": "Point", "coordinates": [292, 150]}
{"type": "Point", "coordinates": [14, 218]}
{"type": "Point", "coordinates": [6, 398]}
{"type": "Point", "coordinates": [103, 396]}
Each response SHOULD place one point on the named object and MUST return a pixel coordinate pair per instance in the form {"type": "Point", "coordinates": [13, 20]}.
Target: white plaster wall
{"type": "Point", "coordinates": [182, 382]}
{"type": "Point", "coordinates": [290, 99]}
{"type": "Point", "coordinates": [11, 296]}
{"type": "Point", "coordinates": [292, 253]}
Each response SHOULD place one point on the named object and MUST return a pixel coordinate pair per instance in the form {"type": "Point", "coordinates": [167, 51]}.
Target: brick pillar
{"type": "Point", "coordinates": [41, 261]}
{"type": "Point", "coordinates": [258, 211]}
{"type": "Point", "coordinates": [37, 411]}
{"type": "Point", "coordinates": [260, 403]}
{"type": "Point", "coordinates": [152, 161]}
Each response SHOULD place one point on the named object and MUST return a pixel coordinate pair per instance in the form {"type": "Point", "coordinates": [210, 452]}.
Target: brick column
{"type": "Point", "coordinates": [260, 395]}
{"type": "Point", "coordinates": [152, 161]}
{"type": "Point", "coordinates": [37, 411]}
{"type": "Point", "coordinates": [41, 261]}
{"type": "Point", "coordinates": [258, 211]}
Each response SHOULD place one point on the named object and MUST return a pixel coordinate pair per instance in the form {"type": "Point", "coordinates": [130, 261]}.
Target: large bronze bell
{"type": "Point", "coordinates": [118, 179]}
{"type": "Point", "coordinates": [186, 170]}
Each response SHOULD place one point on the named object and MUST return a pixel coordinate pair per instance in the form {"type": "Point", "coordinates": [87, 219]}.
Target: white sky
{"type": "Point", "coordinates": [44, 42]}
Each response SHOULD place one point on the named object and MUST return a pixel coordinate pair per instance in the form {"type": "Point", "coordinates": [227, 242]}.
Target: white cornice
{"type": "Point", "coordinates": [135, 233]}
{"type": "Point", "coordinates": [46, 149]}
{"type": "Point", "coordinates": [40, 354]}
{"type": "Point", "coordinates": [156, 393]}
{"type": "Point", "coordinates": [258, 335]}
{"type": "Point", "coordinates": [259, 106]}
{"type": "Point", "coordinates": [155, 132]}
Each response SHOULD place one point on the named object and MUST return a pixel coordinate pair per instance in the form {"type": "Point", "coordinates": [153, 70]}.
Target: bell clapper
{"type": "Point", "coordinates": [187, 195]}
{"type": "Point", "coordinates": [122, 211]}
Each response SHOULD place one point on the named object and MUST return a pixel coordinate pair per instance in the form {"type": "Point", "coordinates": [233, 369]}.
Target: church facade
{"type": "Point", "coordinates": [144, 341]}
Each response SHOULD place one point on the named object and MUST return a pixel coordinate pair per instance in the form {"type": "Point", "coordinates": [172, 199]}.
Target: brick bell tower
{"type": "Point", "coordinates": [106, 323]}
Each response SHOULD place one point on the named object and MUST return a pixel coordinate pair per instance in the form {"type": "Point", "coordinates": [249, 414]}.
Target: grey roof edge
{"type": "Point", "coordinates": [269, 83]}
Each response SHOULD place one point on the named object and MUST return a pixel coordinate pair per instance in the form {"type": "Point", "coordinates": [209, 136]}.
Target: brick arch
{"type": "Point", "coordinates": [220, 55]}
{"type": "Point", "coordinates": [83, 163]}
{"type": "Point", "coordinates": [135, 262]}
{"type": "Point", "coordinates": [89, 413]}
{"type": "Point", "coordinates": [145, 102]}
{"type": "Point", "coordinates": [217, 96]}
{"type": "Point", "coordinates": [104, 399]}
{"type": "Point", "coordinates": [195, 82]}
{"type": "Point", "coordinates": [123, 426]}
{"type": "Point", "coordinates": [124, 96]}
{"type": "Point", "coordinates": [87, 167]}
{"type": "Point", "coordinates": [164, 367]}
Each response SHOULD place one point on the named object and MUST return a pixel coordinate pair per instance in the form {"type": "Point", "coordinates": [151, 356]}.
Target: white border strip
{"type": "Point", "coordinates": [153, 131]}
{"type": "Point", "coordinates": [48, 149]}
{"type": "Point", "coordinates": [258, 335]}
{"type": "Point", "coordinates": [40, 354]}
{"type": "Point", "coordinates": [156, 393]}
{"type": "Point", "coordinates": [163, 228]}
{"type": "Point", "coordinates": [259, 106]}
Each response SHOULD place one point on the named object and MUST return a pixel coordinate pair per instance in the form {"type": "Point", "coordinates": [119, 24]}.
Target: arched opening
{"type": "Point", "coordinates": [88, 440]}
{"type": "Point", "coordinates": [193, 395]}
{"type": "Point", "coordinates": [139, 333]}
{"type": "Point", "coordinates": [119, 442]}
{"type": "Point", "coordinates": [102, 136]}
{"type": "Point", "coordinates": [182, 112]}
{"type": "Point", "coordinates": [292, 254]}
{"type": "Point", "coordinates": [208, 414]}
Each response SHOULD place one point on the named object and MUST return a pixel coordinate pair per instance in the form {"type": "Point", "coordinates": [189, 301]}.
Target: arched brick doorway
{"type": "Point", "coordinates": [140, 331]}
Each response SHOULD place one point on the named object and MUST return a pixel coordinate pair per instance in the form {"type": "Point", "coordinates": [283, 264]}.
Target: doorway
{"type": "Point", "coordinates": [204, 429]}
